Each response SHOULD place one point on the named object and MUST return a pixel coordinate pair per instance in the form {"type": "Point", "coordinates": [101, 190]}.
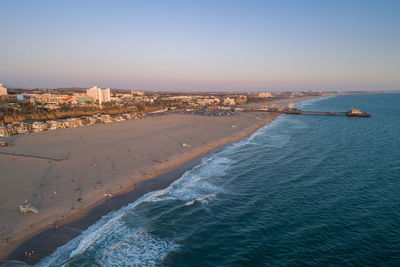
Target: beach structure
{"type": "Point", "coordinates": [357, 113]}
{"type": "Point", "coordinates": [27, 207]}
{"type": "Point", "coordinates": [98, 94]}
{"type": "Point", "coordinates": [108, 194]}
{"type": "Point", "coordinates": [3, 91]}
{"type": "Point", "coordinates": [295, 111]}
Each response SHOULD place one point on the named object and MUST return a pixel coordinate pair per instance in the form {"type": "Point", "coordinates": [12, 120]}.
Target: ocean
{"type": "Point", "coordinates": [303, 190]}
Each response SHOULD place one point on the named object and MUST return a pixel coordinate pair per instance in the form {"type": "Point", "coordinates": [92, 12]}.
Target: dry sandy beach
{"type": "Point", "coordinates": [76, 167]}
{"type": "Point", "coordinates": [101, 158]}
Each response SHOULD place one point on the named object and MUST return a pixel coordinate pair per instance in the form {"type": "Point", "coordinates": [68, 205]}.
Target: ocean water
{"type": "Point", "coordinates": [303, 190]}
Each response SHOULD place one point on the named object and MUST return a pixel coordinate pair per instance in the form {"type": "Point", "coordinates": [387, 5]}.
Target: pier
{"type": "Point", "coordinates": [295, 111]}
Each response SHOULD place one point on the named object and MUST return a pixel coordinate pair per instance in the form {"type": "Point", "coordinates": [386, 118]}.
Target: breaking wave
{"type": "Point", "coordinates": [113, 242]}
{"type": "Point", "coordinates": [132, 235]}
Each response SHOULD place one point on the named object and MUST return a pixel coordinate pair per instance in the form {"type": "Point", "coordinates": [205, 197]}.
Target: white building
{"type": "Point", "coordinates": [22, 97]}
{"type": "Point", "coordinates": [3, 91]}
{"type": "Point", "coordinates": [38, 126]}
{"type": "Point", "coordinates": [265, 94]}
{"type": "Point", "coordinates": [98, 94]}
{"type": "Point", "coordinates": [229, 101]}
{"type": "Point", "coordinates": [136, 92]}
{"type": "Point", "coordinates": [296, 94]}
{"type": "Point", "coordinates": [207, 101]}
{"type": "Point", "coordinates": [3, 131]}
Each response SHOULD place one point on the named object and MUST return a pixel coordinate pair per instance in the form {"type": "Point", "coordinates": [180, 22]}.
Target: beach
{"type": "Point", "coordinates": [80, 165]}
{"type": "Point", "coordinates": [65, 173]}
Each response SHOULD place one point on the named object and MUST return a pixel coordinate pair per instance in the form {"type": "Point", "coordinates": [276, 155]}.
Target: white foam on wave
{"type": "Point", "coordinates": [201, 200]}
{"type": "Point", "coordinates": [135, 249]}
{"type": "Point", "coordinates": [100, 235]}
{"type": "Point", "coordinates": [260, 132]}
{"type": "Point", "coordinates": [196, 185]}
{"type": "Point", "coordinates": [126, 247]}
{"type": "Point", "coordinates": [193, 185]}
{"type": "Point", "coordinates": [108, 223]}
{"type": "Point", "coordinates": [313, 101]}
{"type": "Point", "coordinates": [201, 178]}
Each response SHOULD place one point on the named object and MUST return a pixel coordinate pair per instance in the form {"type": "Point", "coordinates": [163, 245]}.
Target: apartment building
{"type": "Point", "coordinates": [98, 94]}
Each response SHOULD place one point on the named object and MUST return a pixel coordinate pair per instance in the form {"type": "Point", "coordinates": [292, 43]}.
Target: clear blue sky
{"type": "Point", "coordinates": [201, 45]}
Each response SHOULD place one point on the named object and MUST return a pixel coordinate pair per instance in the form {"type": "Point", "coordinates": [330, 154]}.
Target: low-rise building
{"type": "Point", "coordinates": [296, 94]}
{"type": "Point", "coordinates": [229, 101]}
{"type": "Point", "coordinates": [85, 99]}
{"type": "Point", "coordinates": [88, 120]}
{"type": "Point", "coordinates": [106, 118]}
{"type": "Point", "coordinates": [38, 126]}
{"type": "Point", "coordinates": [23, 97]}
{"type": "Point", "coordinates": [52, 125]}
{"type": "Point", "coordinates": [51, 106]}
{"type": "Point", "coordinates": [241, 99]}
{"type": "Point", "coordinates": [17, 128]}
{"type": "Point", "coordinates": [3, 131]}
{"type": "Point", "coordinates": [207, 101]}
{"type": "Point", "coordinates": [265, 94]}
{"type": "Point", "coordinates": [127, 116]}
{"type": "Point", "coordinates": [3, 91]}
{"type": "Point", "coordinates": [136, 92]}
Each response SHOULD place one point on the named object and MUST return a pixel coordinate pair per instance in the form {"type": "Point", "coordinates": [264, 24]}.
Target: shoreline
{"type": "Point", "coordinates": [51, 240]}
{"type": "Point", "coordinates": [48, 240]}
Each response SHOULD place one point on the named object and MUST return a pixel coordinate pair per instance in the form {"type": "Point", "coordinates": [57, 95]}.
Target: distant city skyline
{"type": "Point", "coordinates": [201, 45]}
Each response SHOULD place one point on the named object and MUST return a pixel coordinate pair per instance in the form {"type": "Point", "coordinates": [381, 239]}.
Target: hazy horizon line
{"type": "Point", "coordinates": [202, 90]}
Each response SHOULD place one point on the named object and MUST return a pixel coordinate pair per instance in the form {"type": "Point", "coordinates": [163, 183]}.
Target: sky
{"type": "Point", "coordinates": [201, 45]}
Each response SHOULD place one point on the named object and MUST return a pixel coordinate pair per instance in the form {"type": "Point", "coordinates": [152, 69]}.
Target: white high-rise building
{"type": "Point", "coordinates": [98, 94]}
{"type": "Point", "coordinates": [106, 95]}
{"type": "Point", "coordinates": [3, 91]}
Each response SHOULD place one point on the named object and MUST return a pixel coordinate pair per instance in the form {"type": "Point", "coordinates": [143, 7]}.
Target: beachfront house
{"type": "Point", "coordinates": [38, 126]}
{"type": "Point", "coordinates": [3, 131]}
{"type": "Point", "coordinates": [229, 101]}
